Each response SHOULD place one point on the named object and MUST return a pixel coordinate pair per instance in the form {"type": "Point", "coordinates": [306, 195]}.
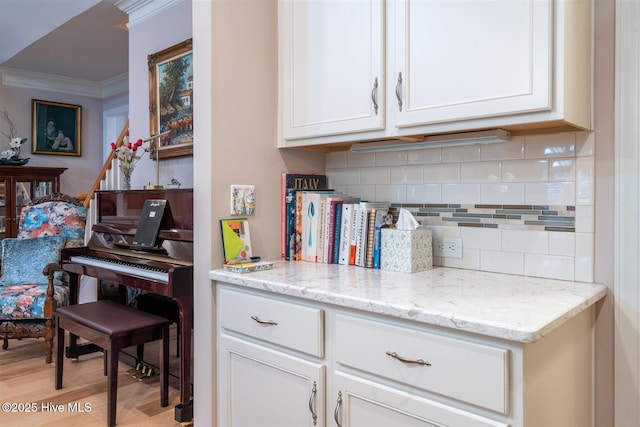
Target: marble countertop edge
{"type": "Point", "coordinates": [452, 298]}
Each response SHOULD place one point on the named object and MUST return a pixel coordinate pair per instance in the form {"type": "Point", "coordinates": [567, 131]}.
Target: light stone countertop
{"type": "Point", "coordinates": [515, 308]}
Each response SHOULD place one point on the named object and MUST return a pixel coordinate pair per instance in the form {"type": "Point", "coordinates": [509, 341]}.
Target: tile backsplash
{"type": "Point", "coordinates": [523, 207]}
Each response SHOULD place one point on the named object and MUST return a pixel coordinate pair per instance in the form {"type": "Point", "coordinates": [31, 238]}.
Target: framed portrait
{"type": "Point", "coordinates": [171, 100]}
{"type": "Point", "coordinates": [56, 128]}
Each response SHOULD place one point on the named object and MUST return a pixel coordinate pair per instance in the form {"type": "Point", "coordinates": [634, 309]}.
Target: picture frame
{"type": "Point", "coordinates": [56, 128]}
{"type": "Point", "coordinates": [171, 100]}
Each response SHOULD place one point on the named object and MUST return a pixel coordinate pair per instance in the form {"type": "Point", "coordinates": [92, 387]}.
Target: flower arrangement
{"type": "Point", "coordinates": [15, 142]}
{"type": "Point", "coordinates": [127, 155]}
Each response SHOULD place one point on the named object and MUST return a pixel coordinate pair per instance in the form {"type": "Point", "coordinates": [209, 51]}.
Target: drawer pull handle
{"type": "Point", "coordinates": [336, 412]}
{"type": "Point", "coordinates": [312, 403]}
{"type": "Point", "coordinates": [399, 91]}
{"type": "Point", "coordinates": [404, 360]}
{"type": "Point", "coordinates": [264, 322]}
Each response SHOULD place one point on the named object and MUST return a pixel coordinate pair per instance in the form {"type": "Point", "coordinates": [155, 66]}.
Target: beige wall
{"type": "Point", "coordinates": [236, 43]}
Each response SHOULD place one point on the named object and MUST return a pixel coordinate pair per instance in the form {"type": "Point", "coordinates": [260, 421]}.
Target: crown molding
{"type": "Point", "coordinates": [141, 10]}
{"type": "Point", "coordinates": [39, 81]}
{"type": "Point", "coordinates": [115, 85]}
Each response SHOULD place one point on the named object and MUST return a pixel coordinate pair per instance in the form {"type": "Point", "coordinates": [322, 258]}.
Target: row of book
{"type": "Point", "coordinates": [322, 225]}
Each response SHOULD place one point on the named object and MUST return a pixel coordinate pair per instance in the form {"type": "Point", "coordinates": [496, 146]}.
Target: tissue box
{"type": "Point", "coordinates": [408, 251]}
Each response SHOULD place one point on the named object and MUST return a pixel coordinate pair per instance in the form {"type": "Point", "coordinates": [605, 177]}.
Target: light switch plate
{"type": "Point", "coordinates": [243, 199]}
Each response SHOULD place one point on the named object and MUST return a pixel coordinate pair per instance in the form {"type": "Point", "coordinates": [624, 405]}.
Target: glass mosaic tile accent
{"type": "Point", "coordinates": [514, 217]}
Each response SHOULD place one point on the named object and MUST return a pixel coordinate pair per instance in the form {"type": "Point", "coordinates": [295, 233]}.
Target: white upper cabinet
{"type": "Point", "coordinates": [449, 66]}
{"type": "Point", "coordinates": [458, 60]}
{"type": "Point", "coordinates": [331, 67]}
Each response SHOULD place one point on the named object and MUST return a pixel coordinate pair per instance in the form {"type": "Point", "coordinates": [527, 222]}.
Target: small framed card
{"type": "Point", "coordinates": [236, 239]}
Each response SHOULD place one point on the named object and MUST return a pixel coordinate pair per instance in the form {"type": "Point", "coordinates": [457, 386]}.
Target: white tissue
{"type": "Point", "coordinates": [406, 221]}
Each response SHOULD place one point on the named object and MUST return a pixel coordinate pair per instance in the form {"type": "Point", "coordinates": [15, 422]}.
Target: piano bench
{"type": "Point", "coordinates": [112, 327]}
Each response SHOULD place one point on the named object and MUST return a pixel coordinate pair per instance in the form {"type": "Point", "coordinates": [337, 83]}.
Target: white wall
{"type": "Point", "coordinates": [627, 202]}
{"type": "Point", "coordinates": [163, 30]}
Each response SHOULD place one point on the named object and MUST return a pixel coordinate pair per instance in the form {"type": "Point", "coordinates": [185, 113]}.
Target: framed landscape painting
{"type": "Point", "coordinates": [171, 100]}
{"type": "Point", "coordinates": [56, 128]}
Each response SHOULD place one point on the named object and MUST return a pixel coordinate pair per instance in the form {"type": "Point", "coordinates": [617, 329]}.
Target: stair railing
{"type": "Point", "coordinates": [108, 165]}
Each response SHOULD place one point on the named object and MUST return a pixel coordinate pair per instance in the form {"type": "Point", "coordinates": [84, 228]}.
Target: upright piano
{"type": "Point", "coordinates": [165, 269]}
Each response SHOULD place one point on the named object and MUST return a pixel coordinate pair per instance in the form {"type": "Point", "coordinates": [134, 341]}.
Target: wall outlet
{"type": "Point", "coordinates": [448, 247]}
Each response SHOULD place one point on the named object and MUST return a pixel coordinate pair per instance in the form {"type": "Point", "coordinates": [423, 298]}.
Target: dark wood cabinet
{"type": "Point", "coordinates": [18, 186]}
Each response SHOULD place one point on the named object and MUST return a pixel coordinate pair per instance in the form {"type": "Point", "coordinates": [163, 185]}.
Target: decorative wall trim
{"type": "Point", "coordinates": [513, 217]}
{"type": "Point", "coordinates": [142, 10]}
{"type": "Point", "coordinates": [39, 81]}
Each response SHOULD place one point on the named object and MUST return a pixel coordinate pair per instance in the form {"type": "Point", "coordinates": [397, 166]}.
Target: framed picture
{"type": "Point", "coordinates": [56, 128]}
{"type": "Point", "coordinates": [171, 100]}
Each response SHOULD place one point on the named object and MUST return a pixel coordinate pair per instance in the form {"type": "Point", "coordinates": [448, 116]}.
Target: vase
{"type": "Point", "coordinates": [126, 176]}
{"type": "Point", "coordinates": [14, 162]}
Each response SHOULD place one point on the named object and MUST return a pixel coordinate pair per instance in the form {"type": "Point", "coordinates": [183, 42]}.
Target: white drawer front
{"type": "Point", "coordinates": [471, 372]}
{"type": "Point", "coordinates": [278, 322]}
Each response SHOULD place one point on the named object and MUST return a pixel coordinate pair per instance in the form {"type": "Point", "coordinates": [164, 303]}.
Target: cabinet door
{"type": "Point", "coordinates": [263, 387]}
{"type": "Point", "coordinates": [331, 67]}
{"type": "Point", "coordinates": [456, 60]}
{"type": "Point", "coordinates": [359, 402]}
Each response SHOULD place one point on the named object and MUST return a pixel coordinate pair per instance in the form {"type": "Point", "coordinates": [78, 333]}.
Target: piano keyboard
{"type": "Point", "coordinates": [142, 270]}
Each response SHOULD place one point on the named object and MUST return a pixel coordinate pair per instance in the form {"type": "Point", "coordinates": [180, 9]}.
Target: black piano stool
{"type": "Point", "coordinates": [113, 327]}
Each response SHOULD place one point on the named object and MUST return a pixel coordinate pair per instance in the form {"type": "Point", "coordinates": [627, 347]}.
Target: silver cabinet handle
{"type": "Point", "coordinates": [405, 360]}
{"type": "Point", "coordinates": [336, 412]}
{"type": "Point", "coordinates": [264, 322]}
{"type": "Point", "coordinates": [398, 91]}
{"type": "Point", "coordinates": [312, 403]}
{"type": "Point", "coordinates": [374, 95]}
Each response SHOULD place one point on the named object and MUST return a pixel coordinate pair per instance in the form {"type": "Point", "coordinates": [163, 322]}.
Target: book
{"type": "Point", "coordinates": [309, 213]}
{"type": "Point", "coordinates": [353, 241]}
{"type": "Point", "coordinates": [298, 228]}
{"type": "Point", "coordinates": [248, 267]}
{"type": "Point", "coordinates": [371, 221]}
{"type": "Point", "coordinates": [236, 239]}
{"type": "Point", "coordinates": [290, 224]}
{"type": "Point", "coordinates": [379, 222]}
{"type": "Point", "coordinates": [320, 249]}
{"type": "Point", "coordinates": [333, 203]}
{"type": "Point", "coordinates": [149, 223]}
{"type": "Point", "coordinates": [362, 230]}
{"type": "Point", "coordinates": [295, 181]}
{"type": "Point", "coordinates": [345, 233]}
{"type": "Point", "coordinates": [335, 243]}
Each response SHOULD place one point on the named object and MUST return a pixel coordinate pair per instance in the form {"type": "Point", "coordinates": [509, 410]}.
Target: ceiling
{"type": "Point", "coordinates": [79, 39]}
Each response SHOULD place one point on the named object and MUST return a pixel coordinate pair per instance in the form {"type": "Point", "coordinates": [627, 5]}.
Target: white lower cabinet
{"type": "Point", "coordinates": [267, 388]}
{"type": "Point", "coordinates": [363, 403]}
{"type": "Point", "coordinates": [285, 361]}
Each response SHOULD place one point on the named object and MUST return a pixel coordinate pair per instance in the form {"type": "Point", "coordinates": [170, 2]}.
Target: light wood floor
{"type": "Point", "coordinates": [25, 378]}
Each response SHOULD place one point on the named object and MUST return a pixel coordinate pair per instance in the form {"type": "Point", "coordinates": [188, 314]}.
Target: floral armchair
{"type": "Point", "coordinates": [30, 288]}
